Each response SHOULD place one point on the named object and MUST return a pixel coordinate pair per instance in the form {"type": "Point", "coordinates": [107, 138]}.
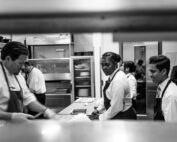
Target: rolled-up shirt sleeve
{"type": "Point", "coordinates": [133, 86]}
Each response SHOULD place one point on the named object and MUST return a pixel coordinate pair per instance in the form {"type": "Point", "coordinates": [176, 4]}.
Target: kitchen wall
{"type": "Point", "coordinates": [83, 42]}
{"type": "Point", "coordinates": [170, 49]}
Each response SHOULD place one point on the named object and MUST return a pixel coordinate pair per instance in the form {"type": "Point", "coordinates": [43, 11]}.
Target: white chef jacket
{"type": "Point", "coordinates": [169, 101]}
{"type": "Point", "coordinates": [119, 94]}
{"type": "Point", "coordinates": [28, 97]}
{"type": "Point", "coordinates": [133, 85]}
{"type": "Point", "coordinates": [36, 81]}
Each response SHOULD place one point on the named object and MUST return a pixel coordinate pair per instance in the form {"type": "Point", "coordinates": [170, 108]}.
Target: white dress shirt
{"type": "Point", "coordinates": [36, 81]}
{"type": "Point", "coordinates": [119, 94]}
{"type": "Point", "coordinates": [28, 97]}
{"type": "Point", "coordinates": [169, 101]}
{"type": "Point", "coordinates": [133, 85]}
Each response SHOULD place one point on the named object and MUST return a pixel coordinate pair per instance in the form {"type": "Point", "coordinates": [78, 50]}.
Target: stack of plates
{"type": "Point", "coordinates": [84, 74]}
{"type": "Point", "coordinates": [83, 92]}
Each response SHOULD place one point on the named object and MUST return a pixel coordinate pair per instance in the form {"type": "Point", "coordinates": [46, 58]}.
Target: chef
{"type": "Point", "coordinates": [36, 83]}
{"type": "Point", "coordinates": [117, 102]}
{"type": "Point", "coordinates": [14, 93]}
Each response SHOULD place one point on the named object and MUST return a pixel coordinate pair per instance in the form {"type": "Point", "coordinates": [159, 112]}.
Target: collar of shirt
{"type": "Point", "coordinates": [162, 85]}
{"type": "Point", "coordinates": [111, 76]}
{"type": "Point", "coordinates": [128, 75]}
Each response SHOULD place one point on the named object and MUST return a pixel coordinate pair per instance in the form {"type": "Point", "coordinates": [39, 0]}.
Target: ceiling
{"type": "Point", "coordinates": [78, 16]}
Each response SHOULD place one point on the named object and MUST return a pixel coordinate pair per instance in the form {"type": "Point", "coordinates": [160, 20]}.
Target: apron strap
{"type": "Point", "coordinates": [7, 81]}
{"type": "Point", "coordinates": [165, 88]}
{"type": "Point", "coordinates": [106, 100]}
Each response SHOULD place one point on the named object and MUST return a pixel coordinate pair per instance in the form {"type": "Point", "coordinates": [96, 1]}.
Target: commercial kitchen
{"type": "Point", "coordinates": [66, 40]}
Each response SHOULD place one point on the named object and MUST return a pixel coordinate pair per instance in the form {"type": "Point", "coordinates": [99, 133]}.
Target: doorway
{"type": "Point", "coordinates": [135, 51]}
{"type": "Point", "coordinates": [140, 74]}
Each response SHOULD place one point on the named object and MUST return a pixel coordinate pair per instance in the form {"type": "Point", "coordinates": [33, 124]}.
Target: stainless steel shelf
{"type": "Point", "coordinates": [83, 77]}
{"type": "Point", "coordinates": [50, 94]}
{"type": "Point", "coordinates": [82, 86]}
{"type": "Point", "coordinates": [82, 69]}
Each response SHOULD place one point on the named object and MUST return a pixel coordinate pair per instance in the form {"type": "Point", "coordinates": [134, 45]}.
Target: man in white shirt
{"type": "Point", "coordinates": [36, 82]}
{"type": "Point", "coordinates": [14, 94]}
{"type": "Point", "coordinates": [166, 98]}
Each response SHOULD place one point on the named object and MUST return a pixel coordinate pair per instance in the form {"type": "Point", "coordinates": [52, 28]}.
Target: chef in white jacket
{"type": "Point", "coordinates": [129, 68]}
{"type": "Point", "coordinates": [36, 83]}
{"type": "Point", "coordinates": [117, 103]}
{"type": "Point", "coordinates": [14, 93]}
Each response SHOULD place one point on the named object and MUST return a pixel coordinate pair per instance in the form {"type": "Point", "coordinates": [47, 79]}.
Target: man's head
{"type": "Point", "coordinates": [109, 62]}
{"type": "Point", "coordinates": [140, 62]}
{"type": "Point", "coordinates": [128, 67]}
{"type": "Point", "coordinates": [159, 68]}
{"type": "Point", "coordinates": [26, 68]}
{"type": "Point", "coordinates": [13, 56]}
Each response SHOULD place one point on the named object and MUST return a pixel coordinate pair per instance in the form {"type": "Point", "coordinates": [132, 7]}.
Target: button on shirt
{"type": "Point", "coordinates": [4, 91]}
{"type": "Point", "coordinates": [117, 91]}
{"type": "Point", "coordinates": [36, 81]}
{"type": "Point", "coordinates": [169, 101]}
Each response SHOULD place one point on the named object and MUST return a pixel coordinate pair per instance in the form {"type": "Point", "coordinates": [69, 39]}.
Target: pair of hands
{"type": "Point", "coordinates": [95, 111]}
{"type": "Point", "coordinates": [24, 117]}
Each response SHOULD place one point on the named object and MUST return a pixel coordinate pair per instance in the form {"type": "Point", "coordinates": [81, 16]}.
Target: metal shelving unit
{"type": "Point", "coordinates": [82, 76]}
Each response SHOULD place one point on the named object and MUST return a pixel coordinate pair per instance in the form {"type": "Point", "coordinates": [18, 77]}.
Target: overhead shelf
{"type": "Point", "coordinates": [37, 16]}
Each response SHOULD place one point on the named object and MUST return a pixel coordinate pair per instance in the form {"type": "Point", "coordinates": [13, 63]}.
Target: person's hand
{"type": "Point", "coordinates": [95, 112]}
{"type": "Point", "coordinates": [49, 113]}
{"type": "Point", "coordinates": [21, 117]}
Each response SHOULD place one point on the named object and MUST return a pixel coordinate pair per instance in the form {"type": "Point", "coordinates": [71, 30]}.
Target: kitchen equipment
{"type": "Point", "coordinates": [84, 73]}
{"type": "Point", "coordinates": [83, 92]}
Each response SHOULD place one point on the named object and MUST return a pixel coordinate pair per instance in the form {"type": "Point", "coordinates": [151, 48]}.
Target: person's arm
{"type": "Point", "coordinates": [38, 107]}
{"type": "Point", "coordinates": [133, 87]}
{"type": "Point", "coordinates": [99, 107]}
{"type": "Point", "coordinates": [170, 109]}
{"type": "Point", "coordinates": [14, 116]}
{"type": "Point", "coordinates": [117, 95]}
{"type": "Point", "coordinates": [31, 102]}
{"type": "Point", "coordinates": [5, 115]}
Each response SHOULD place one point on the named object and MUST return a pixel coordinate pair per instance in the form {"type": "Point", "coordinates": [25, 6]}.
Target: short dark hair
{"type": "Point", "coordinates": [27, 63]}
{"type": "Point", "coordinates": [161, 62]}
{"type": "Point", "coordinates": [140, 62]}
{"type": "Point", "coordinates": [130, 65]}
{"type": "Point", "coordinates": [13, 49]}
{"type": "Point", "coordinates": [115, 58]}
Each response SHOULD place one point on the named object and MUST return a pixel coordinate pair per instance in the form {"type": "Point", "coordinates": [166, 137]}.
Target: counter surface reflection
{"type": "Point", "coordinates": [95, 131]}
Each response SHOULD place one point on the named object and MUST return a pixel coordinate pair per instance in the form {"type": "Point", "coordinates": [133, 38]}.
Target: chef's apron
{"type": "Point", "coordinates": [15, 103]}
{"type": "Point", "coordinates": [158, 114]}
{"type": "Point", "coordinates": [128, 114]}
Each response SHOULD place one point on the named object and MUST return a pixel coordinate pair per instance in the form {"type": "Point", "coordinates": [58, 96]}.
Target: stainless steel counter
{"type": "Point", "coordinates": [95, 131]}
{"type": "Point", "coordinates": [85, 131]}
{"type": "Point", "coordinates": [82, 104]}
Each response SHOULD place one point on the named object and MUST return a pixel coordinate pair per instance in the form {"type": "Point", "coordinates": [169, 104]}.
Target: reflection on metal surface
{"type": "Point", "coordinates": [57, 76]}
{"type": "Point", "coordinates": [49, 132]}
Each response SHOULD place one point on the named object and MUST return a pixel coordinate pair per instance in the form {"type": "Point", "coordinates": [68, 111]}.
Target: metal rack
{"type": "Point", "coordinates": [82, 76]}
